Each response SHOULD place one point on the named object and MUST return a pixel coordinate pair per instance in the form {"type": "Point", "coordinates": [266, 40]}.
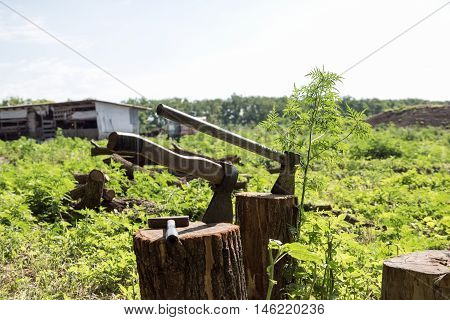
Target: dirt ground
{"type": "Point", "coordinates": [437, 116]}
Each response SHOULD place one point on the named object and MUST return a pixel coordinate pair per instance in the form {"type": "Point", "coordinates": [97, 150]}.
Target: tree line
{"type": "Point", "coordinates": [239, 110]}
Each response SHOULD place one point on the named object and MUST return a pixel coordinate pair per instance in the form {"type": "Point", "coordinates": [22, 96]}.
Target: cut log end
{"type": "Point", "coordinates": [108, 194]}
{"type": "Point", "coordinates": [97, 175]}
{"type": "Point", "coordinates": [112, 140]}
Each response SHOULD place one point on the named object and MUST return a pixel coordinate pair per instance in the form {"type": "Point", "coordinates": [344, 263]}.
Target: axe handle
{"type": "Point", "coordinates": [171, 232]}
{"type": "Point", "coordinates": [217, 132]}
{"type": "Point", "coordinates": [195, 166]}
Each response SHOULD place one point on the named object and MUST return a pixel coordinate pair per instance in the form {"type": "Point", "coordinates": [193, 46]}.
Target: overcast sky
{"type": "Point", "coordinates": [211, 49]}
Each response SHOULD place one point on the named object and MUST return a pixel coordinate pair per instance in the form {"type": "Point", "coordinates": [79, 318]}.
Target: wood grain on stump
{"type": "Point", "coordinates": [264, 216]}
{"type": "Point", "coordinates": [417, 276]}
{"type": "Point", "coordinates": [205, 264]}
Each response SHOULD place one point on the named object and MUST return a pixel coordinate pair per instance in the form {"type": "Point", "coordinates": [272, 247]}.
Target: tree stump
{"type": "Point", "coordinates": [91, 192]}
{"type": "Point", "coordinates": [264, 216]}
{"type": "Point", "coordinates": [417, 276]}
{"type": "Point", "coordinates": [205, 264]}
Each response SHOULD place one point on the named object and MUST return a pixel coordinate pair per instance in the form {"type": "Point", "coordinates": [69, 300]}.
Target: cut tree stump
{"type": "Point", "coordinates": [264, 216]}
{"type": "Point", "coordinates": [205, 264]}
{"type": "Point", "coordinates": [417, 276]}
{"type": "Point", "coordinates": [93, 190]}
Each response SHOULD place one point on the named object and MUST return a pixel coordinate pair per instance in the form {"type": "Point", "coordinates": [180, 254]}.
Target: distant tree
{"type": "Point", "coordinates": [14, 101]}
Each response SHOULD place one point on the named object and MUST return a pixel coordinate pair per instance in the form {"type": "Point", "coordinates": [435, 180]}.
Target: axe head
{"type": "Point", "coordinates": [220, 208]}
{"type": "Point", "coordinates": [161, 222]}
{"type": "Point", "coordinates": [285, 183]}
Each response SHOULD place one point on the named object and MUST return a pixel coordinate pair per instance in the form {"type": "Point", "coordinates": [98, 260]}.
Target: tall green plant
{"type": "Point", "coordinates": [314, 124]}
{"type": "Point", "coordinates": [296, 250]}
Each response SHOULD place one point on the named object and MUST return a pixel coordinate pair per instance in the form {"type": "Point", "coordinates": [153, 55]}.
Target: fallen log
{"type": "Point", "coordinates": [129, 167]}
{"type": "Point", "coordinates": [317, 207]}
{"type": "Point", "coordinates": [77, 193]}
{"type": "Point", "coordinates": [134, 158]}
{"type": "Point", "coordinates": [108, 194]}
{"type": "Point", "coordinates": [81, 177]}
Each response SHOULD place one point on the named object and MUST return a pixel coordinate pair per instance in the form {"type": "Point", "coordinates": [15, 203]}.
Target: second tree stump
{"type": "Point", "coordinates": [206, 263]}
{"type": "Point", "coordinates": [421, 275]}
{"type": "Point", "coordinates": [264, 216]}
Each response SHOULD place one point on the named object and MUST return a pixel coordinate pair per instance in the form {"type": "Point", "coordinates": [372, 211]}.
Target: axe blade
{"type": "Point", "coordinates": [220, 208]}
{"type": "Point", "coordinates": [285, 183]}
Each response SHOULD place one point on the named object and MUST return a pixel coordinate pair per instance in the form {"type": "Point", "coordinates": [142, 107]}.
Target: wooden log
{"type": "Point", "coordinates": [134, 158]}
{"type": "Point", "coordinates": [264, 216]}
{"type": "Point", "coordinates": [93, 190]}
{"type": "Point", "coordinates": [317, 207]}
{"type": "Point", "coordinates": [108, 194]}
{"type": "Point", "coordinates": [129, 167]}
{"type": "Point", "coordinates": [205, 264]}
{"type": "Point", "coordinates": [77, 193]}
{"type": "Point", "coordinates": [81, 178]}
{"type": "Point", "coordinates": [421, 275]}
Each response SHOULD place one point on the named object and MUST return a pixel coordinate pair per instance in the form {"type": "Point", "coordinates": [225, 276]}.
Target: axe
{"type": "Point", "coordinates": [285, 183]}
{"type": "Point", "coordinates": [223, 175]}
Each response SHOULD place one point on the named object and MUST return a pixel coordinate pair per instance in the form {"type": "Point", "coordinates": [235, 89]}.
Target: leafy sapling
{"type": "Point", "coordinates": [314, 124]}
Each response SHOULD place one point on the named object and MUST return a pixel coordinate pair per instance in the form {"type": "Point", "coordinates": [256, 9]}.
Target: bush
{"type": "Point", "coordinates": [377, 149]}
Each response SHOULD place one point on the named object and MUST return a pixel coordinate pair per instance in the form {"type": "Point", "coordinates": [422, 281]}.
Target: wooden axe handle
{"type": "Point", "coordinates": [195, 166]}
{"type": "Point", "coordinates": [217, 132]}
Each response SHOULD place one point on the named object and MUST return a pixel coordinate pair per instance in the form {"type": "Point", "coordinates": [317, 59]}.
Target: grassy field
{"type": "Point", "coordinates": [394, 185]}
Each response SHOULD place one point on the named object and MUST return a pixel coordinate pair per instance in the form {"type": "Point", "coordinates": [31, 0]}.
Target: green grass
{"type": "Point", "coordinates": [395, 183]}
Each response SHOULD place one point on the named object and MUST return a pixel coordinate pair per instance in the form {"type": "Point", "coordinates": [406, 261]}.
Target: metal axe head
{"type": "Point", "coordinates": [220, 208]}
{"type": "Point", "coordinates": [285, 183]}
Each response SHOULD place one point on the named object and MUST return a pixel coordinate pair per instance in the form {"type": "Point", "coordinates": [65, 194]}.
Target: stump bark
{"type": "Point", "coordinates": [417, 276]}
{"type": "Point", "coordinates": [205, 264]}
{"type": "Point", "coordinates": [264, 216]}
{"type": "Point", "coordinates": [93, 190]}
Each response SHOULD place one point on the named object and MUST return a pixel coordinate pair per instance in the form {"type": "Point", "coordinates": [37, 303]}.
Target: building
{"type": "Point", "coordinates": [176, 130]}
{"type": "Point", "coordinates": [93, 119]}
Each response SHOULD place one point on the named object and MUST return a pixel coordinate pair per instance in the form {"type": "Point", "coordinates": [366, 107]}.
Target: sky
{"type": "Point", "coordinates": [212, 49]}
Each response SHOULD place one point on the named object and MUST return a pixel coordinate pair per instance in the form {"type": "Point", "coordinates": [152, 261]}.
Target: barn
{"type": "Point", "coordinates": [93, 119]}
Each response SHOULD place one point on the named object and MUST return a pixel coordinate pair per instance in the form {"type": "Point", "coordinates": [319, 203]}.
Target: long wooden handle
{"type": "Point", "coordinates": [195, 166]}
{"type": "Point", "coordinates": [217, 132]}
